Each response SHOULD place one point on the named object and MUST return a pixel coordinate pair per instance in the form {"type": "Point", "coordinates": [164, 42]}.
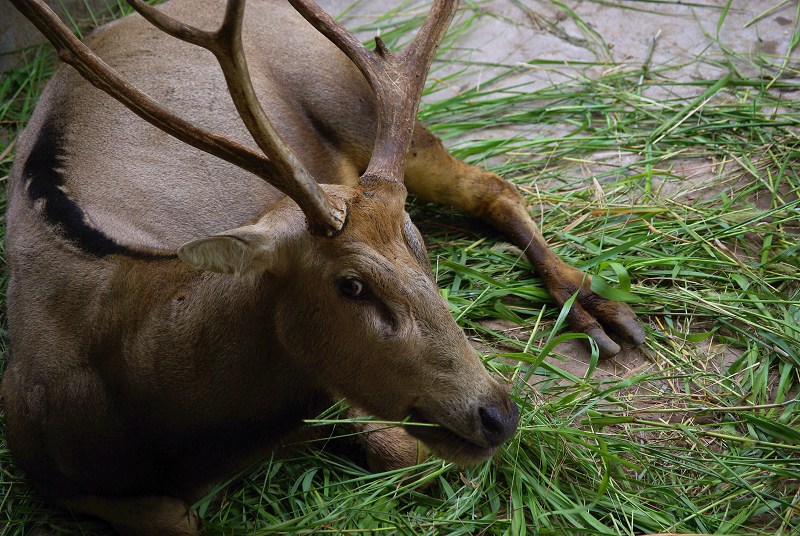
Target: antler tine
{"type": "Point", "coordinates": [323, 216]}
{"type": "Point", "coordinates": [396, 79]}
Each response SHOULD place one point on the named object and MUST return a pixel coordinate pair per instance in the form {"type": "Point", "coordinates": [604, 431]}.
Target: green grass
{"type": "Point", "coordinates": [681, 194]}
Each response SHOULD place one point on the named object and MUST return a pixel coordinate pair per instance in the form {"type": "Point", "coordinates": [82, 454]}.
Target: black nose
{"type": "Point", "coordinates": [499, 423]}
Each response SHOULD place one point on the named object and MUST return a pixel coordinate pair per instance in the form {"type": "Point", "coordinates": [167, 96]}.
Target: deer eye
{"type": "Point", "coordinates": [352, 287]}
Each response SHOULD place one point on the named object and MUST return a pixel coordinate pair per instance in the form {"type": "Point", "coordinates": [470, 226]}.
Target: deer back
{"type": "Point", "coordinates": [142, 188]}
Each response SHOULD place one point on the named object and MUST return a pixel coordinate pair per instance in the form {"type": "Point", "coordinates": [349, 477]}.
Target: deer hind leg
{"type": "Point", "coordinates": [434, 175]}
{"type": "Point", "coordinates": [138, 516]}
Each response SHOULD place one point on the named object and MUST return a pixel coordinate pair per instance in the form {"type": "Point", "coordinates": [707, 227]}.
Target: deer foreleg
{"type": "Point", "coordinates": [375, 445]}
{"type": "Point", "coordinates": [434, 175]}
{"type": "Point", "coordinates": [387, 447]}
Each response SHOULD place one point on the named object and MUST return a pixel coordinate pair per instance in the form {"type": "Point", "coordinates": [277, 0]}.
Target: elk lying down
{"type": "Point", "coordinates": [173, 314]}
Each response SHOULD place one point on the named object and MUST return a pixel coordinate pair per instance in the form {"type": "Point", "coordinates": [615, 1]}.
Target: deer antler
{"type": "Point", "coordinates": [282, 168]}
{"type": "Point", "coordinates": [396, 79]}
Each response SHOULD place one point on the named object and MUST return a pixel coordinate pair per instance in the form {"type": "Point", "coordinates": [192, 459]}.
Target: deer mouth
{"type": "Point", "coordinates": [444, 442]}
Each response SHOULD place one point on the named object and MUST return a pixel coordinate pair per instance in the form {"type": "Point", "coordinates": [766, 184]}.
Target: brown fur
{"type": "Point", "coordinates": [138, 377]}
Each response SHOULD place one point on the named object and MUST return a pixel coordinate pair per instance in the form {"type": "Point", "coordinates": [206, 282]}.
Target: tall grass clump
{"type": "Point", "coordinates": [679, 195]}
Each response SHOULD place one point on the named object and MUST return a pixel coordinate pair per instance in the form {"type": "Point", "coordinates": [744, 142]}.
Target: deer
{"type": "Point", "coordinates": [201, 261]}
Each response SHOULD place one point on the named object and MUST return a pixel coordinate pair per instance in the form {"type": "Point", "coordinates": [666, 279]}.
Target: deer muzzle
{"type": "Point", "coordinates": [472, 436]}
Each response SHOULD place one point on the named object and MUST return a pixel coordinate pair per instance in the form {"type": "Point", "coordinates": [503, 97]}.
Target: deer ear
{"type": "Point", "coordinates": [252, 249]}
{"type": "Point", "coordinates": [226, 253]}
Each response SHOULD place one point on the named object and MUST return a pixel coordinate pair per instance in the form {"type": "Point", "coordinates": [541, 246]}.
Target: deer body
{"type": "Point", "coordinates": [137, 378]}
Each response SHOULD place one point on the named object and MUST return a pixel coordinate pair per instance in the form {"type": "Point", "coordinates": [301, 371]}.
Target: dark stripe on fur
{"type": "Point", "coordinates": [43, 174]}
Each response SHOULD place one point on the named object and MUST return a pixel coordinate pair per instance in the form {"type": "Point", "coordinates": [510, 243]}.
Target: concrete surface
{"type": "Point", "coordinates": [16, 32]}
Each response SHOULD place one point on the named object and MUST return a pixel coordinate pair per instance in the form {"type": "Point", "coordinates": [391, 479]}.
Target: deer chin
{"type": "Point", "coordinates": [446, 443]}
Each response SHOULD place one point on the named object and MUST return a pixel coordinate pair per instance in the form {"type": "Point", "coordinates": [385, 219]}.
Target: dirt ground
{"type": "Point", "coordinates": [620, 33]}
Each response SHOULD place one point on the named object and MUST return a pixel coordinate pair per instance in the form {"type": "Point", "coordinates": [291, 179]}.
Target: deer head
{"type": "Point", "coordinates": [364, 318]}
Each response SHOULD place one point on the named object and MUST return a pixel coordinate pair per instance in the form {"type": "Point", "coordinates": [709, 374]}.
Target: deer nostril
{"type": "Point", "coordinates": [499, 424]}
